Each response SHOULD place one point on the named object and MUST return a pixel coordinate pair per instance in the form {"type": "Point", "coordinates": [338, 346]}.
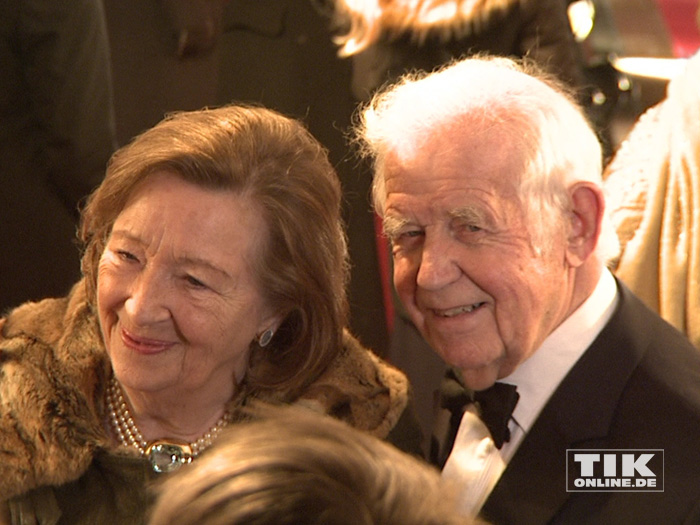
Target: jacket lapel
{"type": "Point", "coordinates": [579, 414]}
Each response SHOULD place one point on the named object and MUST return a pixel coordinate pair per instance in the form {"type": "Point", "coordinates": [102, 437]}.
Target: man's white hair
{"type": "Point", "coordinates": [546, 127]}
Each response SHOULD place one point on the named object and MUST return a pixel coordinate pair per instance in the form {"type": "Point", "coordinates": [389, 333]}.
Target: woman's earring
{"type": "Point", "coordinates": [266, 337]}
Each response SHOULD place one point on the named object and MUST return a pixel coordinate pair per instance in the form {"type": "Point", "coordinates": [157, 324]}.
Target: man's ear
{"type": "Point", "coordinates": [586, 216]}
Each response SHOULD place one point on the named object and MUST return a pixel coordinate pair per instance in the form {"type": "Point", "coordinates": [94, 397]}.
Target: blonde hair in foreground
{"type": "Point", "coordinates": [294, 466]}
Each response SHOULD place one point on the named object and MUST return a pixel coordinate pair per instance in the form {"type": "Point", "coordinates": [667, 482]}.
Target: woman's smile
{"type": "Point", "coordinates": [144, 345]}
{"type": "Point", "coordinates": [175, 281]}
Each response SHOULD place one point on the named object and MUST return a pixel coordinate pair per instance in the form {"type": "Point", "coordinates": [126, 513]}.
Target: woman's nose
{"type": "Point", "coordinates": [147, 300]}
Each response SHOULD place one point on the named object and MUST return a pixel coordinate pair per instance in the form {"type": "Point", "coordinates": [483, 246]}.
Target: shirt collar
{"type": "Point", "coordinates": [538, 376]}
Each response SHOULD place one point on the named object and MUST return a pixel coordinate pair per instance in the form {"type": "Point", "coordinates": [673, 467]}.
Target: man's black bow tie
{"type": "Point", "coordinates": [454, 398]}
{"type": "Point", "coordinates": [496, 405]}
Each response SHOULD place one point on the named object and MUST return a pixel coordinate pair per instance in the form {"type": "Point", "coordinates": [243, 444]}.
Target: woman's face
{"type": "Point", "coordinates": [177, 300]}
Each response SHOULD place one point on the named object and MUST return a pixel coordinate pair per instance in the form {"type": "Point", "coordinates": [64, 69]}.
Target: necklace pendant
{"type": "Point", "coordinates": [167, 456]}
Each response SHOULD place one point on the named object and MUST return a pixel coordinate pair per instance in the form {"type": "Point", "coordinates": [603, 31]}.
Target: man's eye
{"type": "Point", "coordinates": [406, 239]}
{"type": "Point", "coordinates": [406, 235]}
{"type": "Point", "coordinates": [467, 226]}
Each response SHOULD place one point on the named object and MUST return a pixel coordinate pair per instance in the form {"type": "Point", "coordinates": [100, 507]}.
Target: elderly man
{"type": "Point", "coordinates": [488, 179]}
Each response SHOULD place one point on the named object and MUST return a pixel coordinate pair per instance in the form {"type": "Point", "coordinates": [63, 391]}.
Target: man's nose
{"type": "Point", "coordinates": [438, 267]}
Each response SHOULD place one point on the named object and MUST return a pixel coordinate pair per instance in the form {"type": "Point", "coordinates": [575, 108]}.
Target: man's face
{"type": "Point", "coordinates": [465, 263]}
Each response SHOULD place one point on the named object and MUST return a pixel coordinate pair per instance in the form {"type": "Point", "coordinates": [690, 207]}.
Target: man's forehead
{"type": "Point", "coordinates": [465, 176]}
{"type": "Point", "coordinates": [456, 138]}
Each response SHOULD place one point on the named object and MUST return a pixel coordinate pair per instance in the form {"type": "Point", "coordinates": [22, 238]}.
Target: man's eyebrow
{"type": "Point", "coordinates": [391, 225]}
{"type": "Point", "coordinates": [467, 213]}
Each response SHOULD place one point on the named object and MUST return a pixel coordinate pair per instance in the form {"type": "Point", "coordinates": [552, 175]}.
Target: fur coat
{"type": "Point", "coordinates": [53, 375]}
{"type": "Point", "coordinates": [652, 190]}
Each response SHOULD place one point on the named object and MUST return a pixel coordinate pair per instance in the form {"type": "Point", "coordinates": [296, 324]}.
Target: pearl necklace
{"type": "Point", "coordinates": [164, 455]}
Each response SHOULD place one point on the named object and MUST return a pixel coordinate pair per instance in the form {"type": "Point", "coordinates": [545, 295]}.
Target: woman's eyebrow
{"type": "Point", "coordinates": [203, 263]}
{"type": "Point", "coordinates": [124, 233]}
{"type": "Point", "coordinates": [192, 260]}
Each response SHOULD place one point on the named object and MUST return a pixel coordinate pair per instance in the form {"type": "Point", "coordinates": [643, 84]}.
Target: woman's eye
{"type": "Point", "coordinates": [127, 256]}
{"type": "Point", "coordinates": [193, 281]}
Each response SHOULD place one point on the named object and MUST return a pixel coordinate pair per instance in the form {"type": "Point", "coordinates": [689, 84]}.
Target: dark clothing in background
{"type": "Point", "coordinates": [56, 135]}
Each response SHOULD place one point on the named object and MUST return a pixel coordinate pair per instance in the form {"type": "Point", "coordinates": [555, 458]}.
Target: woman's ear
{"type": "Point", "coordinates": [268, 326]}
{"type": "Point", "coordinates": [586, 216]}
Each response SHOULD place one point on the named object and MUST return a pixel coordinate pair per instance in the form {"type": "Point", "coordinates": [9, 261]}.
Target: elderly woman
{"type": "Point", "coordinates": [214, 268]}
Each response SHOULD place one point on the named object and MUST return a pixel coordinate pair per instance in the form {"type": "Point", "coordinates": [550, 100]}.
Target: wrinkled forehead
{"type": "Point", "coordinates": [464, 145]}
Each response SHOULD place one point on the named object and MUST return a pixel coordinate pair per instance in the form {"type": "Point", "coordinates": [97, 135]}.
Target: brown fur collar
{"type": "Point", "coordinates": [53, 369]}
{"type": "Point", "coordinates": [51, 362]}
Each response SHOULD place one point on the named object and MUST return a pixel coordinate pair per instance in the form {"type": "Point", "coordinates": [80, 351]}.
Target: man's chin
{"type": "Point", "coordinates": [480, 378]}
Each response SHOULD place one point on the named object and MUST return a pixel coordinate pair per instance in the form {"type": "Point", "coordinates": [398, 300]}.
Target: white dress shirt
{"type": "Point", "coordinates": [475, 463]}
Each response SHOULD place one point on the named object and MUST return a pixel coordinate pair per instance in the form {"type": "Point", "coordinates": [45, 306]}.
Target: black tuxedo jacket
{"type": "Point", "coordinates": [636, 387]}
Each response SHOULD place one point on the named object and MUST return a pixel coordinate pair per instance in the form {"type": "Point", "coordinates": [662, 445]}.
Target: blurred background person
{"type": "Point", "coordinates": [197, 25]}
{"type": "Point", "coordinates": [215, 269]}
{"type": "Point", "coordinates": [297, 467]}
{"type": "Point", "coordinates": [57, 131]}
{"type": "Point", "coordinates": [653, 192]}
{"type": "Point", "coordinates": [386, 38]}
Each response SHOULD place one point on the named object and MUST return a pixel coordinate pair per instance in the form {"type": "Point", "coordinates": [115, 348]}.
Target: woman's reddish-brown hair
{"type": "Point", "coordinates": [302, 268]}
